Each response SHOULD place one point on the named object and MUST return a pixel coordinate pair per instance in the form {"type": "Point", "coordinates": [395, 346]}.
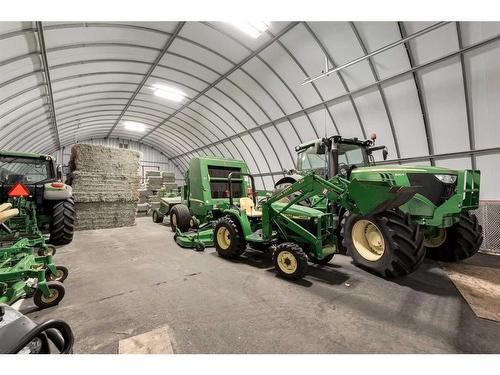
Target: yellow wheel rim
{"type": "Point", "coordinates": [287, 262]}
{"type": "Point", "coordinates": [53, 296]}
{"type": "Point", "coordinates": [174, 220]}
{"type": "Point", "coordinates": [437, 240]}
{"type": "Point", "coordinates": [368, 240]}
{"type": "Point", "coordinates": [223, 238]}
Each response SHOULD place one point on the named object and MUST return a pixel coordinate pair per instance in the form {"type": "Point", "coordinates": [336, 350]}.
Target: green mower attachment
{"type": "Point", "coordinates": [198, 239]}
{"type": "Point", "coordinates": [23, 225]}
{"type": "Point", "coordinates": [22, 274]}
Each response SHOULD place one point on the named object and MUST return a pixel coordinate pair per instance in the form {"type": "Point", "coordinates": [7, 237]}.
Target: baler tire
{"type": "Point", "coordinates": [403, 241]}
{"type": "Point", "coordinates": [463, 240]}
{"type": "Point", "coordinates": [182, 218]}
{"type": "Point", "coordinates": [290, 250]}
{"type": "Point", "coordinates": [157, 216]}
{"type": "Point", "coordinates": [237, 244]}
{"type": "Point", "coordinates": [63, 222]}
{"type": "Point", "coordinates": [321, 262]}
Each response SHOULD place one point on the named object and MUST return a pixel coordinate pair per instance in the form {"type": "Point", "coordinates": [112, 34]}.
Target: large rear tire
{"type": "Point", "coordinates": [63, 222]}
{"type": "Point", "coordinates": [228, 238]}
{"type": "Point", "coordinates": [388, 244]}
{"type": "Point", "coordinates": [462, 240]}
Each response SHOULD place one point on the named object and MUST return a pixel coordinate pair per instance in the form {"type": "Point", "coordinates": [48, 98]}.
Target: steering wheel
{"type": "Point", "coordinates": [344, 170]}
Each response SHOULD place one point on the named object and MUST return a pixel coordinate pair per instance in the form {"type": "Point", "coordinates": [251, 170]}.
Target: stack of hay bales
{"type": "Point", "coordinates": [105, 186]}
{"type": "Point", "coordinates": [168, 179]}
{"type": "Point", "coordinates": [153, 180]}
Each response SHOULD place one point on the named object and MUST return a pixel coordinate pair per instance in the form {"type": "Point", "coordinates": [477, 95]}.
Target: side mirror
{"type": "Point", "coordinates": [385, 153]}
{"type": "Point", "coordinates": [59, 172]}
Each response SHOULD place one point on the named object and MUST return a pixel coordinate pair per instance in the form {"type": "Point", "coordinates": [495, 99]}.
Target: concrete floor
{"type": "Point", "coordinates": [128, 281]}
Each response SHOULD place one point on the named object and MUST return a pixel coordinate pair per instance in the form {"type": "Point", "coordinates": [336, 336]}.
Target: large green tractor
{"type": "Point", "coordinates": [436, 219]}
{"type": "Point", "coordinates": [36, 178]}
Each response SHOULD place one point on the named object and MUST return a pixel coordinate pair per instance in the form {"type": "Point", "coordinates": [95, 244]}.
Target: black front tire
{"type": "Point", "coordinates": [463, 240]}
{"type": "Point", "coordinates": [62, 274]}
{"type": "Point", "coordinates": [403, 244]}
{"type": "Point", "coordinates": [63, 222]}
{"type": "Point", "coordinates": [57, 291]}
{"type": "Point", "coordinates": [157, 216]}
{"type": "Point", "coordinates": [50, 250]}
{"type": "Point", "coordinates": [180, 217]}
{"type": "Point", "coordinates": [228, 238]}
{"type": "Point", "coordinates": [290, 261]}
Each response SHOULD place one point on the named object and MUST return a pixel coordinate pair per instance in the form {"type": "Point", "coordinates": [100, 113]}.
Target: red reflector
{"type": "Point", "coordinates": [19, 190]}
{"type": "Point", "coordinates": [57, 185]}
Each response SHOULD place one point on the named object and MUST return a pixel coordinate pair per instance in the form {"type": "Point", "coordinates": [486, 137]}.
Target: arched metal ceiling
{"type": "Point", "coordinates": [428, 98]}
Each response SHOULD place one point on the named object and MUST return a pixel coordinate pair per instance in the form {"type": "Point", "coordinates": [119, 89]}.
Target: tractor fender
{"type": "Point", "coordinates": [52, 193]}
{"type": "Point", "coordinates": [241, 218]}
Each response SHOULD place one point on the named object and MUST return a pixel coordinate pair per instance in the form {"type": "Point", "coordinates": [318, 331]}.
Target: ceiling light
{"type": "Point", "coordinates": [134, 126]}
{"type": "Point", "coordinates": [168, 92]}
{"type": "Point", "coordinates": [252, 28]}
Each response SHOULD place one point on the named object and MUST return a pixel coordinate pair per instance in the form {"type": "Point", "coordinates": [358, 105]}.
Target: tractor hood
{"type": "Point", "coordinates": [297, 210]}
{"type": "Point", "coordinates": [401, 169]}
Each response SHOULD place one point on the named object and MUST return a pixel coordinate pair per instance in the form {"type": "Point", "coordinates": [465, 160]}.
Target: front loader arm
{"type": "Point", "coordinates": [363, 197]}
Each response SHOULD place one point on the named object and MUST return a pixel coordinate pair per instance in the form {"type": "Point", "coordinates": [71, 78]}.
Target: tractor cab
{"type": "Point", "coordinates": [37, 179]}
{"type": "Point", "coordinates": [336, 155]}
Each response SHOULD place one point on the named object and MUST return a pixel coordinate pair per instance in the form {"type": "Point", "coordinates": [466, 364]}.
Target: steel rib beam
{"type": "Point", "coordinates": [420, 93]}
{"type": "Point", "coordinates": [148, 74]}
{"type": "Point", "coordinates": [468, 98]}
{"type": "Point", "coordinates": [380, 90]}
{"type": "Point", "coordinates": [233, 69]}
{"type": "Point", "coordinates": [48, 83]}
{"type": "Point", "coordinates": [397, 76]}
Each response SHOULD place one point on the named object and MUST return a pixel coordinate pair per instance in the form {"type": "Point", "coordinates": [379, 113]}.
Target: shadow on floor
{"type": "Point", "coordinates": [329, 274]}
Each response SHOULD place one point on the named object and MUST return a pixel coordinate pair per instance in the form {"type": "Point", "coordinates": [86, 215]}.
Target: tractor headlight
{"type": "Point", "coordinates": [446, 178]}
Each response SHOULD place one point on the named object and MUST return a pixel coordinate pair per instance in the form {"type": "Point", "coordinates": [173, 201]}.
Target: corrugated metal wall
{"type": "Point", "coordinates": [151, 159]}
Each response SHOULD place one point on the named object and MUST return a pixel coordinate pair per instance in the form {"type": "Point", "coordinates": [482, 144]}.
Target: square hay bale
{"type": "Point", "coordinates": [168, 177]}
{"type": "Point", "coordinates": [153, 173]}
{"type": "Point", "coordinates": [154, 182]}
{"type": "Point", "coordinates": [104, 187]}
{"type": "Point", "coordinates": [95, 159]}
{"type": "Point", "coordinates": [104, 215]}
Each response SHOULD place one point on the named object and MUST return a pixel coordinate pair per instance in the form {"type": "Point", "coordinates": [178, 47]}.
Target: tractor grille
{"type": "Point", "coordinates": [307, 223]}
{"type": "Point", "coordinates": [431, 187]}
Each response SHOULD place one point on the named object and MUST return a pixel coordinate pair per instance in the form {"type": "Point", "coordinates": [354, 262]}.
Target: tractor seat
{"type": "Point", "coordinates": [247, 205]}
{"type": "Point", "coordinates": [7, 212]}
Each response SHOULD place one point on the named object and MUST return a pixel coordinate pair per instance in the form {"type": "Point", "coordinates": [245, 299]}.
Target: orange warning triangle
{"type": "Point", "coordinates": [18, 190]}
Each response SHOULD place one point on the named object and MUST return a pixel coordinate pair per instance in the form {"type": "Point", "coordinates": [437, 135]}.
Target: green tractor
{"type": "Point", "coordinates": [437, 215]}
{"type": "Point", "coordinates": [295, 233]}
{"type": "Point", "coordinates": [36, 178]}
{"type": "Point", "coordinates": [203, 198]}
